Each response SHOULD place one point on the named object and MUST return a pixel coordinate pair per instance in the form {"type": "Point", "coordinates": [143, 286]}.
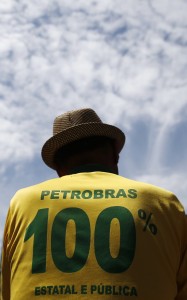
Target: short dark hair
{"type": "Point", "coordinates": [82, 146]}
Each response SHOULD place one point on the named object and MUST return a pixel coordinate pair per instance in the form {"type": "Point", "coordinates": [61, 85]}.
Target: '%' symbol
{"type": "Point", "coordinates": [147, 218]}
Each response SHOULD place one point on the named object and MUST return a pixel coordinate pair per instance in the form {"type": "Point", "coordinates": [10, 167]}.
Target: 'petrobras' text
{"type": "Point", "coordinates": [88, 194]}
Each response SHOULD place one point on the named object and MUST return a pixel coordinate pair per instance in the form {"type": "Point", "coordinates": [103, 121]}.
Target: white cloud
{"type": "Point", "coordinates": [173, 11]}
{"type": "Point", "coordinates": [84, 54]}
{"type": "Point", "coordinates": [6, 6]}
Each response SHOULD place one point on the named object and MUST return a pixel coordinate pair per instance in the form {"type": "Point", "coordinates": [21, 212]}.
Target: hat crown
{"type": "Point", "coordinates": [76, 125]}
{"type": "Point", "coordinates": [73, 118]}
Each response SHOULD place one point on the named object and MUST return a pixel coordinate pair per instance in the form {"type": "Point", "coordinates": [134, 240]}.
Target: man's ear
{"type": "Point", "coordinates": [59, 171]}
{"type": "Point", "coordinates": [116, 158]}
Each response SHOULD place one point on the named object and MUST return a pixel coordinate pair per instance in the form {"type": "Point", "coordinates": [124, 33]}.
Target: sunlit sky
{"type": "Point", "coordinates": [125, 59]}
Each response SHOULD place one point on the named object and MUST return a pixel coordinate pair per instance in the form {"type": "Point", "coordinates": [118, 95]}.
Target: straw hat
{"type": "Point", "coordinates": [75, 125]}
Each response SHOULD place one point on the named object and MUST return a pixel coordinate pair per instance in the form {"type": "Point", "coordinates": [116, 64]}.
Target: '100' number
{"type": "Point", "coordinates": [38, 228]}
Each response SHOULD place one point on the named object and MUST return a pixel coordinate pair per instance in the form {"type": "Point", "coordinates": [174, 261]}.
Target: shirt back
{"type": "Point", "coordinates": [93, 235]}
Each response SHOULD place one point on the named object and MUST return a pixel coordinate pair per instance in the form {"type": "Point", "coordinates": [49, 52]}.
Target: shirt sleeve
{"type": "Point", "coordinates": [182, 274]}
{"type": "Point", "coordinates": [5, 276]}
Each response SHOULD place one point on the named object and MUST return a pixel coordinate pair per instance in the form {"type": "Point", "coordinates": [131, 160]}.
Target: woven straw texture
{"type": "Point", "coordinates": [76, 125]}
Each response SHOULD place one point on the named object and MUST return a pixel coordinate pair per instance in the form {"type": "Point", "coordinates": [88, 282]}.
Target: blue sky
{"type": "Point", "coordinates": [125, 59]}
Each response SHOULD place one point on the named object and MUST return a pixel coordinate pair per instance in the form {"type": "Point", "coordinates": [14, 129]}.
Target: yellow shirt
{"type": "Point", "coordinates": [94, 235]}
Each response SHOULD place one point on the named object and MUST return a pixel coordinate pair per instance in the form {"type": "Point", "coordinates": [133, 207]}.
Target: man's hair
{"type": "Point", "coordinates": [82, 146]}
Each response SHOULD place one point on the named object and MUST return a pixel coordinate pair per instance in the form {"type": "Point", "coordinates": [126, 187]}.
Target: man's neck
{"type": "Point", "coordinates": [93, 168]}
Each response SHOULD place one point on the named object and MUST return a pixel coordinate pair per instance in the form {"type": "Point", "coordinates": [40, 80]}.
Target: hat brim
{"type": "Point", "coordinates": [78, 132]}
